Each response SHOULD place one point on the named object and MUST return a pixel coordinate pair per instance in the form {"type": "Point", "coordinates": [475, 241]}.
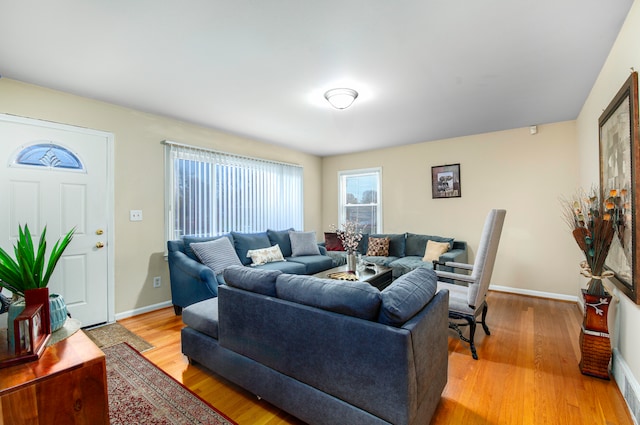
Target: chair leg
{"type": "Point", "coordinates": [472, 332]}
{"type": "Point", "coordinates": [177, 310]}
{"type": "Point", "coordinates": [484, 320]}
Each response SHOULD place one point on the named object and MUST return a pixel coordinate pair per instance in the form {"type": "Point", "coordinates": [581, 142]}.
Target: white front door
{"type": "Point", "coordinates": [57, 176]}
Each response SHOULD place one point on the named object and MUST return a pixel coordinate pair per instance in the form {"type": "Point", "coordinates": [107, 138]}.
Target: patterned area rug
{"type": "Point", "coordinates": [140, 393]}
{"type": "Point", "coordinates": [115, 333]}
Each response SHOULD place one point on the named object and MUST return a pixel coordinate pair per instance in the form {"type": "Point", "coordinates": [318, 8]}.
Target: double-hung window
{"type": "Point", "coordinates": [210, 193]}
{"type": "Point", "coordinates": [360, 199]}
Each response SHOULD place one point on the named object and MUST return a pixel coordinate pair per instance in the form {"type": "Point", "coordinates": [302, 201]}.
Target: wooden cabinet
{"type": "Point", "coordinates": [67, 385]}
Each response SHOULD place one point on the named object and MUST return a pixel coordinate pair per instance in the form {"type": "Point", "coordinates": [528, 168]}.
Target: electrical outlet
{"type": "Point", "coordinates": [157, 282]}
{"type": "Point", "coordinates": [135, 215]}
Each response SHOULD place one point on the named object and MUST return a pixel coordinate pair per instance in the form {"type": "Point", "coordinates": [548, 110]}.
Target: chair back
{"type": "Point", "coordinates": [485, 257]}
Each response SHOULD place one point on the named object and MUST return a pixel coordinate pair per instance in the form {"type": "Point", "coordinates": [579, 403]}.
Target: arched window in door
{"type": "Point", "coordinates": [48, 155]}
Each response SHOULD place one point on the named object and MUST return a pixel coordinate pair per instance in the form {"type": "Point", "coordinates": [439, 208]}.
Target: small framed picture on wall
{"type": "Point", "coordinates": [445, 181]}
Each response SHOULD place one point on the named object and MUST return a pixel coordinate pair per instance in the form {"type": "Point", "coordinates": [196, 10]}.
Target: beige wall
{"type": "Point", "coordinates": [522, 173]}
{"type": "Point", "coordinates": [624, 56]}
{"type": "Point", "coordinates": [139, 177]}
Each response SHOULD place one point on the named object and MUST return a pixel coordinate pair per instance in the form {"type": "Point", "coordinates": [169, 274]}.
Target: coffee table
{"type": "Point", "coordinates": [377, 276]}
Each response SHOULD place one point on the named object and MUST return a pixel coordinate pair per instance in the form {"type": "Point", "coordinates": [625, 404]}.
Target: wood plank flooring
{"type": "Point", "coordinates": [527, 372]}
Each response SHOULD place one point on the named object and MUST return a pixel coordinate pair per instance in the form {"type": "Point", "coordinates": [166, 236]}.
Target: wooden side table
{"type": "Point", "coordinates": [67, 385]}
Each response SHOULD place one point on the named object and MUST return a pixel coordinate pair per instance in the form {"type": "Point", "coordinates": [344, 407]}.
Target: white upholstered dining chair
{"type": "Point", "coordinates": [467, 292]}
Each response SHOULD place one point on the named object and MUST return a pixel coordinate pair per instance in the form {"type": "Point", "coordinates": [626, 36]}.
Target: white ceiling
{"type": "Point", "coordinates": [425, 69]}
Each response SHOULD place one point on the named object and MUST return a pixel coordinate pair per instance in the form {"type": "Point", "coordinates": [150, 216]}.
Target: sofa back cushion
{"type": "Point", "coordinates": [281, 238]}
{"type": "Point", "coordinates": [261, 281]}
{"type": "Point", "coordinates": [217, 254]}
{"type": "Point", "coordinates": [406, 296]}
{"type": "Point", "coordinates": [416, 244]}
{"type": "Point", "coordinates": [396, 243]}
{"type": "Point", "coordinates": [245, 241]}
{"type": "Point", "coordinates": [357, 299]}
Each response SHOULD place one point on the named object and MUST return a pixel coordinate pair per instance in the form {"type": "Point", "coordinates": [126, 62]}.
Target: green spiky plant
{"type": "Point", "coordinates": [28, 270]}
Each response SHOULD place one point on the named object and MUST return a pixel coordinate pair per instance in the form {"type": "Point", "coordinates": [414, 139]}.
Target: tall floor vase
{"type": "Point", "coordinates": [595, 343]}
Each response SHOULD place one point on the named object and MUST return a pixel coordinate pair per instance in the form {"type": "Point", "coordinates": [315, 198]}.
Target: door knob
{"type": "Point", "coordinates": [99, 245]}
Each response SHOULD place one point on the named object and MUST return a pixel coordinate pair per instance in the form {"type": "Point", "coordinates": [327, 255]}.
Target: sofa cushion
{"type": "Point", "coordinates": [303, 243]}
{"type": "Point", "coordinates": [357, 299]}
{"type": "Point", "coordinates": [313, 263]}
{"type": "Point", "coordinates": [416, 244]}
{"type": "Point", "coordinates": [332, 242]}
{"type": "Point", "coordinates": [406, 296]}
{"type": "Point", "coordinates": [405, 264]}
{"type": "Point", "coordinates": [256, 280]}
{"type": "Point", "coordinates": [396, 243]}
{"type": "Point", "coordinates": [217, 254]}
{"type": "Point", "coordinates": [378, 247]}
{"type": "Point", "coordinates": [203, 316]}
{"type": "Point", "coordinates": [188, 240]}
{"type": "Point", "coordinates": [265, 255]}
{"type": "Point", "coordinates": [281, 238]}
{"type": "Point", "coordinates": [243, 242]}
{"type": "Point", "coordinates": [287, 266]}
{"type": "Point", "coordinates": [434, 250]}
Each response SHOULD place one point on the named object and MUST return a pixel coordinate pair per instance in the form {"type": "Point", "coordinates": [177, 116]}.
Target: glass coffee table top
{"type": "Point", "coordinates": [376, 275]}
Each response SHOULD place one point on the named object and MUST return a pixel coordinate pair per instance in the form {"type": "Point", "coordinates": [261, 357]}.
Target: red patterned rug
{"type": "Point", "coordinates": [142, 394]}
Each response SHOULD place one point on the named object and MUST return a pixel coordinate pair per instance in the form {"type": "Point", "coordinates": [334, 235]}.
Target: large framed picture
{"type": "Point", "coordinates": [619, 177]}
{"type": "Point", "coordinates": [445, 181]}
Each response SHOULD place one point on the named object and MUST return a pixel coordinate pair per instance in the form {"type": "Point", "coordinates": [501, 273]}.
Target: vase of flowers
{"type": "Point", "coordinates": [594, 220]}
{"type": "Point", "coordinates": [350, 236]}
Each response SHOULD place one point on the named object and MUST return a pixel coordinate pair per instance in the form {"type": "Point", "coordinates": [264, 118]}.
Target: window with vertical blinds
{"type": "Point", "coordinates": [209, 193]}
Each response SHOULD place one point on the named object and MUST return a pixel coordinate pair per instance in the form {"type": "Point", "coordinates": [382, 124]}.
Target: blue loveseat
{"type": "Point", "coordinates": [327, 351]}
{"type": "Point", "coordinates": [406, 252]}
{"type": "Point", "coordinates": [193, 281]}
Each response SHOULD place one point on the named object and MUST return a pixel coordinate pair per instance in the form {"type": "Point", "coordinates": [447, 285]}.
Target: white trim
{"type": "Point", "coordinates": [142, 310]}
{"type": "Point", "coordinates": [532, 293]}
{"type": "Point", "coordinates": [627, 383]}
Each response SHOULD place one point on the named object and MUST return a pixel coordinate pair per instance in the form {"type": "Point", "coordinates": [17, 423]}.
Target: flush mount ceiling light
{"type": "Point", "coordinates": [341, 98]}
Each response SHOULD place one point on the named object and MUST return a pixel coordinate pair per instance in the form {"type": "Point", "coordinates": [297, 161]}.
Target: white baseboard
{"type": "Point", "coordinates": [531, 293]}
{"type": "Point", "coordinates": [142, 310]}
{"type": "Point", "coordinates": [627, 383]}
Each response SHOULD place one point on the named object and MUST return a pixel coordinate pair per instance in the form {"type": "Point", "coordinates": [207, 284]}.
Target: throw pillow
{"type": "Point", "coordinates": [265, 255]}
{"type": "Point", "coordinates": [303, 243]}
{"type": "Point", "coordinates": [281, 238]}
{"type": "Point", "coordinates": [332, 242]}
{"type": "Point", "coordinates": [217, 254]}
{"type": "Point", "coordinates": [378, 247]}
{"type": "Point", "coordinates": [434, 250]}
{"type": "Point", "coordinates": [245, 241]}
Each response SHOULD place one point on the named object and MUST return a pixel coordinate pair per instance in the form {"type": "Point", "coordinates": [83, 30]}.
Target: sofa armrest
{"type": "Point", "coordinates": [191, 281]}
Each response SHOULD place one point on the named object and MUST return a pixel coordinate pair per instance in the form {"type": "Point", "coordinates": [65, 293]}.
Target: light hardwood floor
{"type": "Point", "coordinates": [527, 372]}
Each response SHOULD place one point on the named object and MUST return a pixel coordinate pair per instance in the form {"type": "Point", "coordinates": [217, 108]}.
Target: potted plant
{"type": "Point", "coordinates": [29, 271]}
{"type": "Point", "coordinates": [594, 219]}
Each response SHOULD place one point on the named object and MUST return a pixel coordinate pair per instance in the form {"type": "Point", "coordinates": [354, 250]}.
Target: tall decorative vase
{"type": "Point", "coordinates": [351, 262]}
{"type": "Point", "coordinates": [595, 343]}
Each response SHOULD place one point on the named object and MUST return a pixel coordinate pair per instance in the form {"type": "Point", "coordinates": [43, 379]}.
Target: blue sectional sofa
{"type": "Point", "coordinates": [327, 351]}
{"type": "Point", "coordinates": [193, 281]}
{"type": "Point", "coordinates": [406, 252]}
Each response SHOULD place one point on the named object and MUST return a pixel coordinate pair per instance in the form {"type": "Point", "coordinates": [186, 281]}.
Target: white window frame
{"type": "Point", "coordinates": [342, 194]}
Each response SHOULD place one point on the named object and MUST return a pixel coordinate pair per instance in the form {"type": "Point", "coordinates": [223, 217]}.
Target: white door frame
{"type": "Point", "coordinates": [111, 315]}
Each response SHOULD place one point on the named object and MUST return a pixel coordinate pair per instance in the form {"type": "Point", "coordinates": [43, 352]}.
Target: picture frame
{"type": "Point", "coordinates": [445, 181]}
{"type": "Point", "coordinates": [619, 155]}
{"type": "Point", "coordinates": [30, 333]}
